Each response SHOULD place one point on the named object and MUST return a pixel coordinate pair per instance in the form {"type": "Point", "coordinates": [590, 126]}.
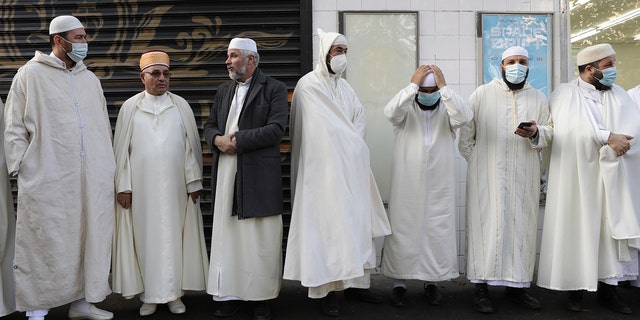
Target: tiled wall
{"type": "Point", "coordinates": [447, 37]}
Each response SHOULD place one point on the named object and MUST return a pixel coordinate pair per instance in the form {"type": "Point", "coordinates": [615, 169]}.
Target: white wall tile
{"type": "Point", "coordinates": [447, 47]}
{"type": "Point", "coordinates": [494, 5]}
{"type": "Point", "coordinates": [470, 5]}
{"type": "Point", "coordinates": [544, 5]}
{"type": "Point", "coordinates": [427, 52]}
{"type": "Point", "coordinates": [467, 72]}
{"type": "Point", "coordinates": [467, 24]}
{"type": "Point", "coordinates": [447, 5]}
{"type": "Point", "coordinates": [427, 23]}
{"type": "Point", "coordinates": [323, 5]}
{"type": "Point", "coordinates": [398, 5]}
{"type": "Point", "coordinates": [349, 5]}
{"type": "Point", "coordinates": [468, 47]}
{"type": "Point", "coordinates": [447, 23]}
{"type": "Point", "coordinates": [374, 4]}
{"type": "Point", "coordinates": [519, 5]}
{"type": "Point", "coordinates": [422, 4]}
{"type": "Point", "coordinates": [325, 20]}
{"type": "Point", "coordinates": [465, 91]}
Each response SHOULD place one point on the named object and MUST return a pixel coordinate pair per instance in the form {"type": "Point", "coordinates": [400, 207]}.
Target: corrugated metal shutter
{"type": "Point", "coordinates": [194, 33]}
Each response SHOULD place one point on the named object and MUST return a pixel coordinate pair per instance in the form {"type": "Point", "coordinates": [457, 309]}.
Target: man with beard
{"type": "Point", "coordinates": [247, 121]}
{"type": "Point", "coordinates": [501, 144]}
{"type": "Point", "coordinates": [591, 230]}
{"type": "Point", "coordinates": [337, 209]}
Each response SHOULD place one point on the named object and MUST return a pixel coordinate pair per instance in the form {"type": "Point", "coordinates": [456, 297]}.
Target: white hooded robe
{"type": "Point", "coordinates": [7, 234]}
{"type": "Point", "coordinates": [58, 140]}
{"type": "Point", "coordinates": [337, 209]}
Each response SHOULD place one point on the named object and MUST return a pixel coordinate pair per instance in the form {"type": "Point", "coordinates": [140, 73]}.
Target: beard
{"type": "Point", "coordinates": [596, 83]}
{"type": "Point", "coordinates": [515, 86]}
{"type": "Point", "coordinates": [239, 73]}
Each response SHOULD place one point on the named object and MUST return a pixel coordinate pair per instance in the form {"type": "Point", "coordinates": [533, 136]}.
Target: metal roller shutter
{"type": "Point", "coordinates": [195, 35]}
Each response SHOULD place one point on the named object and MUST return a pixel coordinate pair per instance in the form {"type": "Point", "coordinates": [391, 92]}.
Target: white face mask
{"type": "Point", "coordinates": [338, 63]}
{"type": "Point", "coordinates": [516, 73]}
{"type": "Point", "coordinates": [78, 51]}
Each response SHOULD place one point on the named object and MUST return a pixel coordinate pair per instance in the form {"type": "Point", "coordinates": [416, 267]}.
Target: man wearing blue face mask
{"type": "Point", "coordinates": [510, 125]}
{"type": "Point", "coordinates": [58, 145]}
{"type": "Point", "coordinates": [591, 231]}
{"type": "Point", "coordinates": [422, 208]}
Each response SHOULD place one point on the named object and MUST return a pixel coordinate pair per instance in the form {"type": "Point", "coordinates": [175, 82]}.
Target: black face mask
{"type": "Point", "coordinates": [424, 107]}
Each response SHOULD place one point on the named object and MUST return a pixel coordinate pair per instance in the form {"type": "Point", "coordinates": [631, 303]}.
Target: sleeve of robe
{"type": "Point", "coordinates": [544, 123]}
{"type": "Point", "coordinates": [467, 139]}
{"type": "Point", "coordinates": [359, 118]}
{"type": "Point", "coordinates": [16, 135]}
{"type": "Point", "coordinates": [397, 109]}
{"type": "Point", "coordinates": [192, 173]}
{"type": "Point", "coordinates": [457, 109]}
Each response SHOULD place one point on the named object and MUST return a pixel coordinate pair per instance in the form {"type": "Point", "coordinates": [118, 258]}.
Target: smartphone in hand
{"type": "Point", "coordinates": [523, 125]}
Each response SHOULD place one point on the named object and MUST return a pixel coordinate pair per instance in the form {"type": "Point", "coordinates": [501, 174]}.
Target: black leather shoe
{"type": "Point", "coordinates": [398, 298]}
{"type": "Point", "coordinates": [432, 295]}
{"type": "Point", "coordinates": [520, 297]}
{"type": "Point", "coordinates": [364, 295]}
{"type": "Point", "coordinates": [481, 301]}
{"type": "Point", "coordinates": [608, 297]}
{"type": "Point", "coordinates": [226, 309]}
{"type": "Point", "coordinates": [574, 302]}
{"type": "Point", "coordinates": [261, 311]}
{"type": "Point", "coordinates": [329, 305]}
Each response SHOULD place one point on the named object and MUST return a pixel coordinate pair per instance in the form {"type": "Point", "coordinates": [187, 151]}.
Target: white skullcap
{"type": "Point", "coordinates": [594, 53]}
{"type": "Point", "coordinates": [341, 39]}
{"type": "Point", "coordinates": [61, 24]}
{"type": "Point", "coordinates": [515, 51]}
{"type": "Point", "coordinates": [243, 44]}
{"type": "Point", "coordinates": [429, 81]}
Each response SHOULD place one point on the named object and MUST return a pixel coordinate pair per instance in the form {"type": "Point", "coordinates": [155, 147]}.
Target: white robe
{"type": "Point", "coordinates": [337, 209]}
{"type": "Point", "coordinates": [503, 182]}
{"type": "Point", "coordinates": [422, 207]}
{"type": "Point", "coordinates": [159, 161]}
{"type": "Point", "coordinates": [592, 194]}
{"type": "Point", "coordinates": [58, 135]}
{"type": "Point", "coordinates": [246, 255]}
{"type": "Point", "coordinates": [7, 234]}
{"type": "Point", "coordinates": [635, 95]}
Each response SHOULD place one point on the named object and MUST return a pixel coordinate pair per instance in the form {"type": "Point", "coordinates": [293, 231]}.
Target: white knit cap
{"type": "Point", "coordinates": [61, 24]}
{"type": "Point", "coordinates": [515, 51]}
{"type": "Point", "coordinates": [594, 53]}
{"type": "Point", "coordinates": [243, 44]}
{"type": "Point", "coordinates": [429, 81]}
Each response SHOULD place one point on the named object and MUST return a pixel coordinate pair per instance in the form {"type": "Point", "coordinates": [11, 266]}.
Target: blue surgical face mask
{"type": "Point", "coordinates": [78, 51]}
{"type": "Point", "coordinates": [515, 73]}
{"type": "Point", "coordinates": [428, 99]}
{"type": "Point", "coordinates": [609, 76]}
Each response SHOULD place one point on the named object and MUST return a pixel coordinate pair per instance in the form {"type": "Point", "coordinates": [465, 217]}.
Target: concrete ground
{"type": "Point", "coordinates": [294, 304]}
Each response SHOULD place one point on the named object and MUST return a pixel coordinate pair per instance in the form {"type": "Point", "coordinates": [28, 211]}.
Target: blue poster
{"type": "Point", "coordinates": [501, 31]}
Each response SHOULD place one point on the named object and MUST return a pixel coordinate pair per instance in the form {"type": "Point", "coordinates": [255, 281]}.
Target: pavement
{"type": "Point", "coordinates": [457, 304]}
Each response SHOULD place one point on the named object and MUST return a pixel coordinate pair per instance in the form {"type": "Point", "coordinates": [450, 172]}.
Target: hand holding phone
{"type": "Point", "coordinates": [523, 125]}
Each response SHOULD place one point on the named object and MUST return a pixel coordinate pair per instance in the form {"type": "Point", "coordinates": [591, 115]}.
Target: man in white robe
{"type": "Point", "coordinates": [503, 181]}
{"type": "Point", "coordinates": [635, 95]}
{"type": "Point", "coordinates": [58, 144]}
{"type": "Point", "coordinates": [422, 206]}
{"type": "Point", "coordinates": [159, 237]}
{"type": "Point", "coordinates": [337, 209]}
{"type": "Point", "coordinates": [591, 215]}
{"type": "Point", "coordinates": [244, 129]}
{"type": "Point", "coordinates": [7, 234]}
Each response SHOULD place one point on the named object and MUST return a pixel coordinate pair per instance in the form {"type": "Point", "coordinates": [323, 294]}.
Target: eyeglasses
{"type": "Point", "coordinates": [157, 73]}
